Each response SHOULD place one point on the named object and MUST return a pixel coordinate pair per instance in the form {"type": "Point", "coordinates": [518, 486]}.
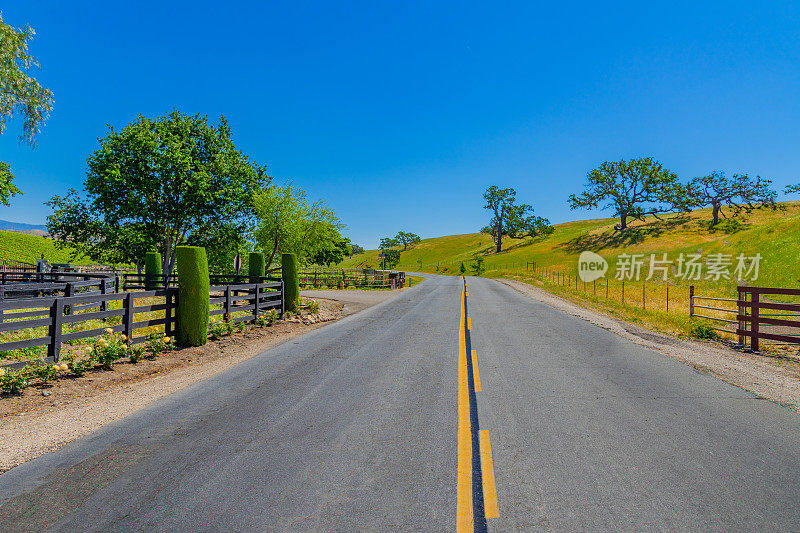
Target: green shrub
{"type": "Point", "coordinates": [135, 354]}
{"type": "Point", "coordinates": [704, 331]}
{"type": "Point", "coordinates": [257, 266]}
{"type": "Point", "coordinates": [13, 381]}
{"type": "Point", "coordinates": [272, 316]}
{"type": "Point", "coordinates": [158, 343]}
{"type": "Point", "coordinates": [291, 284]}
{"type": "Point", "coordinates": [79, 362]}
{"type": "Point", "coordinates": [109, 349]}
{"type": "Point", "coordinates": [313, 307]}
{"type": "Point", "coordinates": [152, 271]}
{"type": "Point", "coordinates": [44, 373]}
{"type": "Point", "coordinates": [217, 330]}
{"type": "Point", "coordinates": [193, 296]}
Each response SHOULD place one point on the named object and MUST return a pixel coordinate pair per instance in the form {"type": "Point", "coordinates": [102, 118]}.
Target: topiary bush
{"type": "Point", "coordinates": [193, 296]}
{"type": "Point", "coordinates": [291, 284]}
{"type": "Point", "coordinates": [257, 266]}
{"type": "Point", "coordinates": [152, 271]}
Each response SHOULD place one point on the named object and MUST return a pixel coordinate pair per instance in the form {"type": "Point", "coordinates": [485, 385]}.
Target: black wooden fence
{"type": "Point", "coordinates": [44, 318]}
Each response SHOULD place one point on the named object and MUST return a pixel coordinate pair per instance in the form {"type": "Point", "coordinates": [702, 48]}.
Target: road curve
{"type": "Point", "coordinates": [358, 426]}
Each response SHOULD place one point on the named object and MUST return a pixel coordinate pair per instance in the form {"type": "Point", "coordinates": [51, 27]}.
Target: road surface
{"type": "Point", "coordinates": [384, 421]}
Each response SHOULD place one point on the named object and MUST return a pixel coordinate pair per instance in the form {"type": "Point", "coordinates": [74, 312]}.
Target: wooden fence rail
{"type": "Point", "coordinates": [748, 319]}
{"type": "Point", "coordinates": [53, 312]}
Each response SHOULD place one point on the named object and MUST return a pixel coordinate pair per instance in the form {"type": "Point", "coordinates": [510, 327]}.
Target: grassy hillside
{"type": "Point", "coordinates": [28, 248]}
{"type": "Point", "coordinates": [773, 234]}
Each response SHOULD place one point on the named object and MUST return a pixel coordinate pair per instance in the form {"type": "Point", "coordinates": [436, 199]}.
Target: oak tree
{"type": "Point", "coordinates": [634, 189]}
{"type": "Point", "coordinates": [511, 219]}
{"type": "Point", "coordinates": [739, 193]}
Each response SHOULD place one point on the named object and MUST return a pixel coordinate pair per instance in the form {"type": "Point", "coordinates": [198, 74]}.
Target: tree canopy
{"type": "Point", "coordinates": [406, 239]}
{"type": "Point", "coordinates": [739, 193]}
{"type": "Point", "coordinates": [156, 184]}
{"type": "Point", "coordinates": [288, 223]}
{"type": "Point", "coordinates": [792, 188]}
{"type": "Point", "coordinates": [634, 189]}
{"type": "Point", "coordinates": [20, 93]}
{"type": "Point", "coordinates": [510, 219]}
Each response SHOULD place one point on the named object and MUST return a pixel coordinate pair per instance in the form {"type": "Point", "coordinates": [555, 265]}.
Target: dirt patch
{"type": "Point", "coordinates": [769, 377]}
{"type": "Point", "coordinates": [32, 424]}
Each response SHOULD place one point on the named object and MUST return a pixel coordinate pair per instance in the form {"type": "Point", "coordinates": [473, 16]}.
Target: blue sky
{"type": "Point", "coordinates": [400, 114]}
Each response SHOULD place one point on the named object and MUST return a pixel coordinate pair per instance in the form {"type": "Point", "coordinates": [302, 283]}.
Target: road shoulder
{"type": "Point", "coordinates": [769, 377]}
{"type": "Point", "coordinates": [32, 424]}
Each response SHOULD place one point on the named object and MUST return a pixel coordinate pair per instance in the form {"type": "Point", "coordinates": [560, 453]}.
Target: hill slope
{"type": "Point", "coordinates": [28, 248]}
{"type": "Point", "coordinates": [773, 234]}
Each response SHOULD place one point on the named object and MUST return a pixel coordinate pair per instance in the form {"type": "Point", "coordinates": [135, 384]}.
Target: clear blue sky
{"type": "Point", "coordinates": [400, 114]}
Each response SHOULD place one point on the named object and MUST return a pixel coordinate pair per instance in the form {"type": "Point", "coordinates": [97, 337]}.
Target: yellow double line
{"type": "Point", "coordinates": [465, 517]}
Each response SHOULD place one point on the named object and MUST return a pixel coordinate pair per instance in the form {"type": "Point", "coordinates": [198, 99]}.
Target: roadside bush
{"type": "Point", "coordinates": [79, 362]}
{"type": "Point", "coordinates": [240, 326]}
{"type": "Point", "coordinates": [291, 284]}
{"type": "Point", "coordinates": [45, 373]}
{"type": "Point", "coordinates": [13, 381]}
{"type": "Point", "coordinates": [135, 354]}
{"type": "Point", "coordinates": [193, 301]}
{"type": "Point", "coordinates": [313, 307]}
{"type": "Point", "coordinates": [217, 330]}
{"type": "Point", "coordinates": [152, 271]}
{"type": "Point", "coordinates": [704, 331]}
{"type": "Point", "coordinates": [158, 343]}
{"type": "Point", "coordinates": [272, 316]}
{"type": "Point", "coordinates": [110, 348]}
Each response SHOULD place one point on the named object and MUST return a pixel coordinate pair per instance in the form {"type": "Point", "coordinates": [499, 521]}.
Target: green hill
{"type": "Point", "coordinates": [28, 248]}
{"type": "Point", "coordinates": [773, 234]}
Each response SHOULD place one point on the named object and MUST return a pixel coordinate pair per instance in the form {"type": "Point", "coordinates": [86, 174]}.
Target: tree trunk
{"type": "Point", "coordinates": [715, 214]}
{"type": "Point", "coordinates": [499, 241]}
{"type": "Point", "coordinates": [623, 221]}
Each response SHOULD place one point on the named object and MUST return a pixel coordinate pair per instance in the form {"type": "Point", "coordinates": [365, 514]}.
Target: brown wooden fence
{"type": "Point", "coordinates": [756, 316]}
{"type": "Point", "coordinates": [351, 277]}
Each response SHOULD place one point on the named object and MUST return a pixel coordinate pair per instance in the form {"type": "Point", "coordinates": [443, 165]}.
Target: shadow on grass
{"type": "Point", "coordinates": [628, 237]}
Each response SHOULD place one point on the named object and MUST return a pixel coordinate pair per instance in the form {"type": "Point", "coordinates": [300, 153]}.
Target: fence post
{"type": "Point", "coordinates": [623, 291]}
{"type": "Point", "coordinates": [754, 321]}
{"type": "Point", "coordinates": [741, 312]}
{"type": "Point", "coordinates": [283, 298]}
{"type": "Point", "coordinates": [2, 297]}
{"type": "Point", "coordinates": [255, 302]}
{"type": "Point", "coordinates": [227, 316]}
{"type": "Point", "coordinates": [606, 288]}
{"type": "Point", "coordinates": [127, 317]}
{"type": "Point", "coordinates": [667, 295]}
{"type": "Point", "coordinates": [643, 284]}
{"type": "Point", "coordinates": [594, 287]}
{"type": "Point", "coordinates": [69, 291]}
{"type": "Point", "coordinates": [57, 317]}
{"type": "Point", "coordinates": [691, 300]}
{"type": "Point", "coordinates": [168, 325]}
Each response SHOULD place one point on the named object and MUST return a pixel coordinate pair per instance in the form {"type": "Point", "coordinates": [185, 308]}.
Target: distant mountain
{"type": "Point", "coordinates": [22, 227]}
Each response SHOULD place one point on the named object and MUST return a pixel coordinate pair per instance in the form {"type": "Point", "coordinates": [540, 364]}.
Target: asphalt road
{"type": "Point", "coordinates": [359, 426]}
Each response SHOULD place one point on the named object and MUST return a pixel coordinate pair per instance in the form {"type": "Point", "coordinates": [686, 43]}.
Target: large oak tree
{"type": "Point", "coordinates": [739, 193]}
{"type": "Point", "coordinates": [510, 219]}
{"type": "Point", "coordinates": [634, 189]}
{"type": "Point", "coordinates": [156, 183]}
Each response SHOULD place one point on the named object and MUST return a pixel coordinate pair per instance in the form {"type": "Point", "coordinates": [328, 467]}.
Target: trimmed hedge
{"type": "Point", "coordinates": [256, 266]}
{"type": "Point", "coordinates": [152, 271]}
{"type": "Point", "coordinates": [193, 296]}
{"type": "Point", "coordinates": [291, 283]}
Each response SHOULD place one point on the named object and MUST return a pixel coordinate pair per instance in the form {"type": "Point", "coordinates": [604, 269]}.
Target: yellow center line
{"type": "Point", "coordinates": [476, 376]}
{"type": "Point", "coordinates": [469, 323]}
{"type": "Point", "coordinates": [487, 470]}
{"type": "Point", "coordinates": [465, 520]}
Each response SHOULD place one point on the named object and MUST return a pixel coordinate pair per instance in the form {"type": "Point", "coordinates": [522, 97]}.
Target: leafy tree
{"type": "Point", "coordinates": [477, 267]}
{"type": "Point", "coordinates": [389, 242]}
{"type": "Point", "coordinates": [288, 223]}
{"type": "Point", "coordinates": [462, 269]}
{"type": "Point", "coordinates": [390, 258]}
{"type": "Point", "coordinates": [792, 188]}
{"type": "Point", "coordinates": [355, 249]}
{"type": "Point", "coordinates": [406, 239]}
{"type": "Point", "coordinates": [633, 188]}
{"type": "Point", "coordinates": [223, 242]}
{"type": "Point", "coordinates": [19, 93]}
{"type": "Point", "coordinates": [509, 219]}
{"type": "Point", "coordinates": [7, 187]}
{"type": "Point", "coordinates": [161, 181]}
{"type": "Point", "coordinates": [737, 193]}
{"type": "Point", "coordinates": [332, 253]}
